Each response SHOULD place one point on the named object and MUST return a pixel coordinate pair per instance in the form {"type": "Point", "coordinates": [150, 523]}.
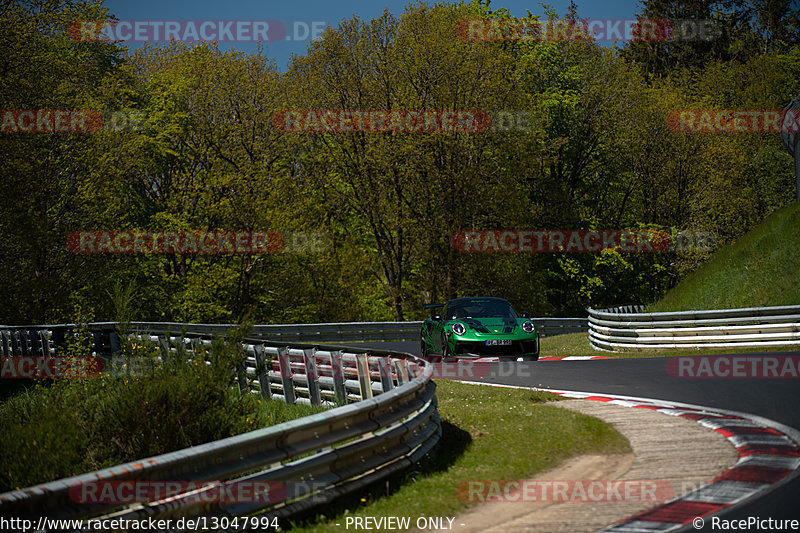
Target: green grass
{"type": "Point", "coordinates": [566, 345]}
{"type": "Point", "coordinates": [488, 433]}
{"type": "Point", "coordinates": [761, 269]}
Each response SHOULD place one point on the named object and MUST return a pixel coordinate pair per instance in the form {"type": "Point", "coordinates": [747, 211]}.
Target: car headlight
{"type": "Point", "coordinates": [528, 327]}
{"type": "Point", "coordinates": [459, 328]}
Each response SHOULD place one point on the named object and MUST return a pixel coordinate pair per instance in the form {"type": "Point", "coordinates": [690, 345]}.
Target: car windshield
{"type": "Point", "coordinates": [480, 309]}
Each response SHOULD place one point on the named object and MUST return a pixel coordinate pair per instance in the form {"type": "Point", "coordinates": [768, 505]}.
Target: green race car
{"type": "Point", "coordinates": [478, 327]}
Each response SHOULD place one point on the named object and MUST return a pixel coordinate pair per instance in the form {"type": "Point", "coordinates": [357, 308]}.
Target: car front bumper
{"type": "Point", "coordinates": [516, 348]}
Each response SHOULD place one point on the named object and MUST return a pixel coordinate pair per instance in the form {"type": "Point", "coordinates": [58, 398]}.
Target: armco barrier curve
{"type": "Point", "coordinates": [391, 423]}
{"type": "Point", "coordinates": [36, 340]}
{"type": "Point", "coordinates": [627, 329]}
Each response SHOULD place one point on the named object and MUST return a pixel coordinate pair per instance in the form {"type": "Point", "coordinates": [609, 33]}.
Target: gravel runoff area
{"type": "Point", "coordinates": [667, 449]}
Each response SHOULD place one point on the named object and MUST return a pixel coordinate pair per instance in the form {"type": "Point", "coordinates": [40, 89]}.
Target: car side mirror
{"type": "Point", "coordinates": [525, 314]}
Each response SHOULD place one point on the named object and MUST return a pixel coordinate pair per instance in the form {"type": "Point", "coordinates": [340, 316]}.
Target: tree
{"type": "Point", "coordinates": [405, 193]}
{"type": "Point", "coordinates": [46, 192]}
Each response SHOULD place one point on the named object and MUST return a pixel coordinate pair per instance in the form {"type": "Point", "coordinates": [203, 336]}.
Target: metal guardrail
{"type": "Point", "coordinates": [625, 328]}
{"type": "Point", "coordinates": [355, 332]}
{"type": "Point", "coordinates": [391, 424]}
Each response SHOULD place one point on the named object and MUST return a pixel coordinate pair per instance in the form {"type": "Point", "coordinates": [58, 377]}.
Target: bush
{"type": "Point", "coordinates": [130, 412]}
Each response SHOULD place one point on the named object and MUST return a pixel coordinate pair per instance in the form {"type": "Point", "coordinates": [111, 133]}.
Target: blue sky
{"type": "Point", "coordinates": [332, 12]}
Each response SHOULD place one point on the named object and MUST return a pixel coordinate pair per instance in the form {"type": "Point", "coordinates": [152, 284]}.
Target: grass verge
{"type": "Point", "coordinates": [488, 433]}
{"type": "Point", "coordinates": [760, 269]}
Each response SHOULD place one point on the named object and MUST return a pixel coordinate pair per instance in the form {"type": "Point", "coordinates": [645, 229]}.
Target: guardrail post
{"type": "Point", "coordinates": [33, 339]}
{"type": "Point", "coordinates": [59, 339]}
{"type": "Point", "coordinates": [163, 343]}
{"type": "Point", "coordinates": [337, 373]}
{"type": "Point", "coordinates": [385, 371]}
{"type": "Point", "coordinates": [312, 376]}
{"type": "Point", "coordinates": [44, 343]}
{"type": "Point", "coordinates": [364, 378]}
{"type": "Point", "coordinates": [401, 370]}
{"type": "Point", "coordinates": [286, 375]}
{"type": "Point", "coordinates": [22, 337]}
{"type": "Point", "coordinates": [197, 348]}
{"type": "Point", "coordinates": [24, 342]}
{"type": "Point", "coordinates": [18, 340]}
{"type": "Point", "coordinates": [10, 346]}
{"type": "Point", "coordinates": [8, 339]}
{"type": "Point", "coordinates": [262, 372]}
{"type": "Point", "coordinates": [16, 343]}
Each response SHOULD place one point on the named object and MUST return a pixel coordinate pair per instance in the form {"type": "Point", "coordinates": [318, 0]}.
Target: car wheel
{"type": "Point", "coordinates": [530, 357]}
{"type": "Point", "coordinates": [423, 349]}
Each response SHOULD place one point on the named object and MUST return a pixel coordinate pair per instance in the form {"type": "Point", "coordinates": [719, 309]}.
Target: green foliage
{"type": "Point", "coordinates": [43, 176]}
{"type": "Point", "coordinates": [599, 154]}
{"type": "Point", "coordinates": [138, 407]}
{"type": "Point", "coordinates": [738, 30]}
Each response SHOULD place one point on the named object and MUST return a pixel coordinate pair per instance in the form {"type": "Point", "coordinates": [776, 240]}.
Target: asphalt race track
{"type": "Point", "coordinates": [776, 399]}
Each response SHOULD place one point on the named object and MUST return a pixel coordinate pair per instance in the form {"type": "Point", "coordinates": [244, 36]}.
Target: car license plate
{"type": "Point", "coordinates": [498, 342]}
